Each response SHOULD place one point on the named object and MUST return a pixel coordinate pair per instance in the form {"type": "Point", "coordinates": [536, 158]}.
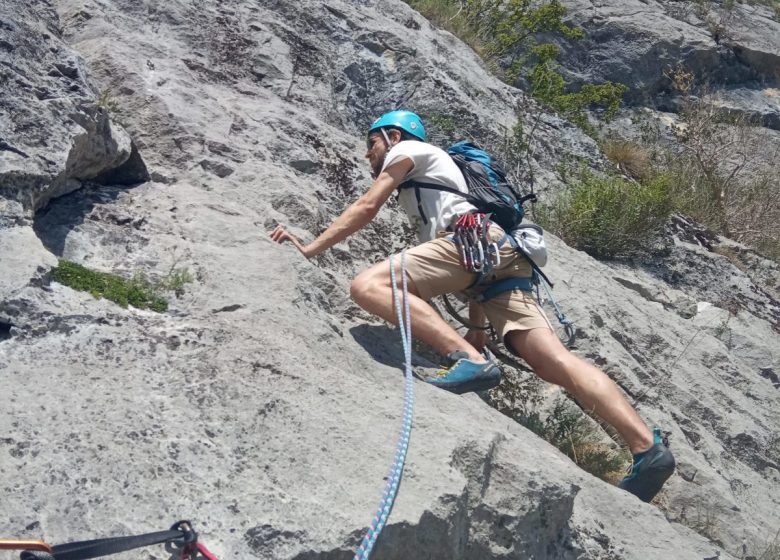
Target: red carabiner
{"type": "Point", "coordinates": [192, 550]}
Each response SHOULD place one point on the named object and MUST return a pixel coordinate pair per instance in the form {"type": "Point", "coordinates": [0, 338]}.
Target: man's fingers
{"type": "Point", "coordinates": [279, 234]}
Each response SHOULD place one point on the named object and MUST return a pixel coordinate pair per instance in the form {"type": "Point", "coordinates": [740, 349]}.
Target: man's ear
{"type": "Point", "coordinates": [394, 135]}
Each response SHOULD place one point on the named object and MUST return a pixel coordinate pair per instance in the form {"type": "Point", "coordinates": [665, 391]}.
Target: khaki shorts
{"type": "Point", "coordinates": [435, 269]}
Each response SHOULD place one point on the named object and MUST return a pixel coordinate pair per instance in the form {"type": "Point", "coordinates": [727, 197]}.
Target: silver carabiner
{"type": "Point", "coordinates": [496, 254]}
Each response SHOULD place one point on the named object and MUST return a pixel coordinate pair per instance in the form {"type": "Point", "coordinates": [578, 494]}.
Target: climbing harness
{"type": "Point", "coordinates": [530, 285]}
{"type": "Point", "coordinates": [480, 255]}
{"type": "Point", "coordinates": [180, 533]}
{"type": "Point", "coordinates": [396, 470]}
{"type": "Point", "coordinates": [477, 253]}
{"type": "Point", "coordinates": [454, 312]}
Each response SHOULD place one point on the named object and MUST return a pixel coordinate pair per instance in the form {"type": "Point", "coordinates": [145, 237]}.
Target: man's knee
{"type": "Point", "coordinates": [368, 282]}
{"type": "Point", "coordinates": [360, 287]}
{"type": "Point", "coordinates": [376, 280]}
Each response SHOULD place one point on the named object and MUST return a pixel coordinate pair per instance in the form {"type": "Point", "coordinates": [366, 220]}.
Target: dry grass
{"type": "Point", "coordinates": [631, 158]}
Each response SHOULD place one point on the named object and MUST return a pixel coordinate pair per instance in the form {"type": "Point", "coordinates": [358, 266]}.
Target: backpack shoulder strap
{"type": "Point", "coordinates": [417, 185]}
{"type": "Point", "coordinates": [431, 186]}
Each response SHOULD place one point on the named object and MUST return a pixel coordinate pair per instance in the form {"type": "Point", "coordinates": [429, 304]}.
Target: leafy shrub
{"type": "Point", "coordinates": [724, 168]}
{"type": "Point", "coordinates": [106, 102]}
{"type": "Point", "coordinates": [503, 33]}
{"type": "Point", "coordinates": [609, 216]}
{"type": "Point", "coordinates": [138, 291]}
{"type": "Point", "coordinates": [548, 86]}
{"type": "Point", "coordinates": [175, 280]}
{"type": "Point", "coordinates": [442, 126]}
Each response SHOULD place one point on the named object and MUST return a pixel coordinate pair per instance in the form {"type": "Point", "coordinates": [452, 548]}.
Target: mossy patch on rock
{"type": "Point", "coordinates": [138, 291]}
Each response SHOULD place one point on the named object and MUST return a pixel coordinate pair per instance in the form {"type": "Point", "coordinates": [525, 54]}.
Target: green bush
{"type": "Point", "coordinates": [503, 33]}
{"type": "Point", "coordinates": [548, 86]}
{"type": "Point", "coordinates": [138, 291]}
{"type": "Point", "coordinates": [609, 216]}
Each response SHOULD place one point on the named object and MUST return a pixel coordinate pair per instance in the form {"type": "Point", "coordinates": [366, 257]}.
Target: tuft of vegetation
{"type": "Point", "coordinates": [631, 158]}
{"type": "Point", "coordinates": [503, 33]}
{"type": "Point", "coordinates": [137, 291]}
{"type": "Point", "coordinates": [573, 433]}
{"type": "Point", "coordinates": [722, 169]}
{"type": "Point", "coordinates": [548, 86]}
{"type": "Point", "coordinates": [106, 102]}
{"type": "Point", "coordinates": [175, 280]}
{"type": "Point", "coordinates": [608, 216]}
{"type": "Point", "coordinates": [441, 125]}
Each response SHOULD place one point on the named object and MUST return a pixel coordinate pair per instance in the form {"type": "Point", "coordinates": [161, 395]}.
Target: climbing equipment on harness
{"type": "Point", "coordinates": [481, 255]}
{"type": "Point", "coordinates": [180, 533]}
{"type": "Point", "coordinates": [396, 470]}
{"type": "Point", "coordinates": [530, 285]}
{"type": "Point", "coordinates": [477, 252]}
{"type": "Point", "coordinates": [530, 238]}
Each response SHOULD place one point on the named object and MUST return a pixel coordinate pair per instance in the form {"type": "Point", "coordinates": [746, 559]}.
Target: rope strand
{"type": "Point", "coordinates": [396, 470]}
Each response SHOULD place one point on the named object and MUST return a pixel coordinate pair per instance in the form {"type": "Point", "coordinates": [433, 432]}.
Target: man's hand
{"type": "Point", "coordinates": [478, 338]}
{"type": "Point", "coordinates": [280, 235]}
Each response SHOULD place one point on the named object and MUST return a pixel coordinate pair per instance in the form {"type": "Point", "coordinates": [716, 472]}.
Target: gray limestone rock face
{"type": "Point", "coordinates": [264, 404]}
{"type": "Point", "coordinates": [54, 132]}
{"type": "Point", "coordinates": [636, 43]}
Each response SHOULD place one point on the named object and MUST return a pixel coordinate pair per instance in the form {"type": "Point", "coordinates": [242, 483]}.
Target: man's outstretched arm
{"type": "Point", "coordinates": [354, 218]}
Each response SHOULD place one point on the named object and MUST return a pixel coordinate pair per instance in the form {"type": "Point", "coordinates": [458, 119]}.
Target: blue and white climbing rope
{"type": "Point", "coordinates": [396, 470]}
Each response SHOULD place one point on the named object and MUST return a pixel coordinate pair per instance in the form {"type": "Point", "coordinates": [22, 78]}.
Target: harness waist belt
{"type": "Point", "coordinates": [506, 285]}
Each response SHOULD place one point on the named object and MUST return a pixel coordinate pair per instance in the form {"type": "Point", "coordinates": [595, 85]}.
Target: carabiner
{"type": "Point", "coordinates": [494, 250]}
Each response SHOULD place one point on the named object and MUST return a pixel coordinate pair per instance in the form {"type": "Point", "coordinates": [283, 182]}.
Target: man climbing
{"type": "Point", "coordinates": [398, 152]}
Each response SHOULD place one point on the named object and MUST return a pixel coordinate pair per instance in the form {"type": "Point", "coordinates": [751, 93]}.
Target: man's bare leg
{"type": "Point", "coordinates": [372, 290]}
{"type": "Point", "coordinates": [553, 362]}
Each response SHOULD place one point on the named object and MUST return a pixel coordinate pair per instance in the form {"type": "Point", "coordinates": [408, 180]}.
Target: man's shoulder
{"type": "Point", "coordinates": [418, 147]}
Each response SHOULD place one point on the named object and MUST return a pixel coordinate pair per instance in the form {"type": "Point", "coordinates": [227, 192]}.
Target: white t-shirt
{"type": "Point", "coordinates": [431, 165]}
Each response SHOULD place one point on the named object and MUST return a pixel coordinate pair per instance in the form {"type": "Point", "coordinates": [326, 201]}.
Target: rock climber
{"type": "Point", "coordinates": [397, 151]}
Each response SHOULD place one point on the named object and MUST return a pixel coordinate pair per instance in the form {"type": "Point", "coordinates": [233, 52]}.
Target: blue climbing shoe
{"type": "Point", "coordinates": [650, 470]}
{"type": "Point", "coordinates": [465, 375]}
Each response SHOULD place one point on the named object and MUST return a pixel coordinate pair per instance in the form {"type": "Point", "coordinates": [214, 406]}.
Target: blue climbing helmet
{"type": "Point", "coordinates": [405, 120]}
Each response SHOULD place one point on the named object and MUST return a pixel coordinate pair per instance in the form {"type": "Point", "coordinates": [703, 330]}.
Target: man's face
{"type": "Point", "coordinates": [376, 150]}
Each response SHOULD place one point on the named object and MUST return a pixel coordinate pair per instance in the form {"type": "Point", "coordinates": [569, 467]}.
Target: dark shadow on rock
{"type": "Point", "coordinates": [384, 345]}
{"type": "Point", "coordinates": [381, 342]}
{"type": "Point", "coordinates": [5, 331]}
{"type": "Point", "coordinates": [60, 216]}
{"type": "Point", "coordinates": [132, 172]}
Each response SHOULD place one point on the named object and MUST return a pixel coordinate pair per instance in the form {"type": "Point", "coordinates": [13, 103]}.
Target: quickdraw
{"type": "Point", "coordinates": [181, 534]}
{"type": "Point", "coordinates": [472, 236]}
